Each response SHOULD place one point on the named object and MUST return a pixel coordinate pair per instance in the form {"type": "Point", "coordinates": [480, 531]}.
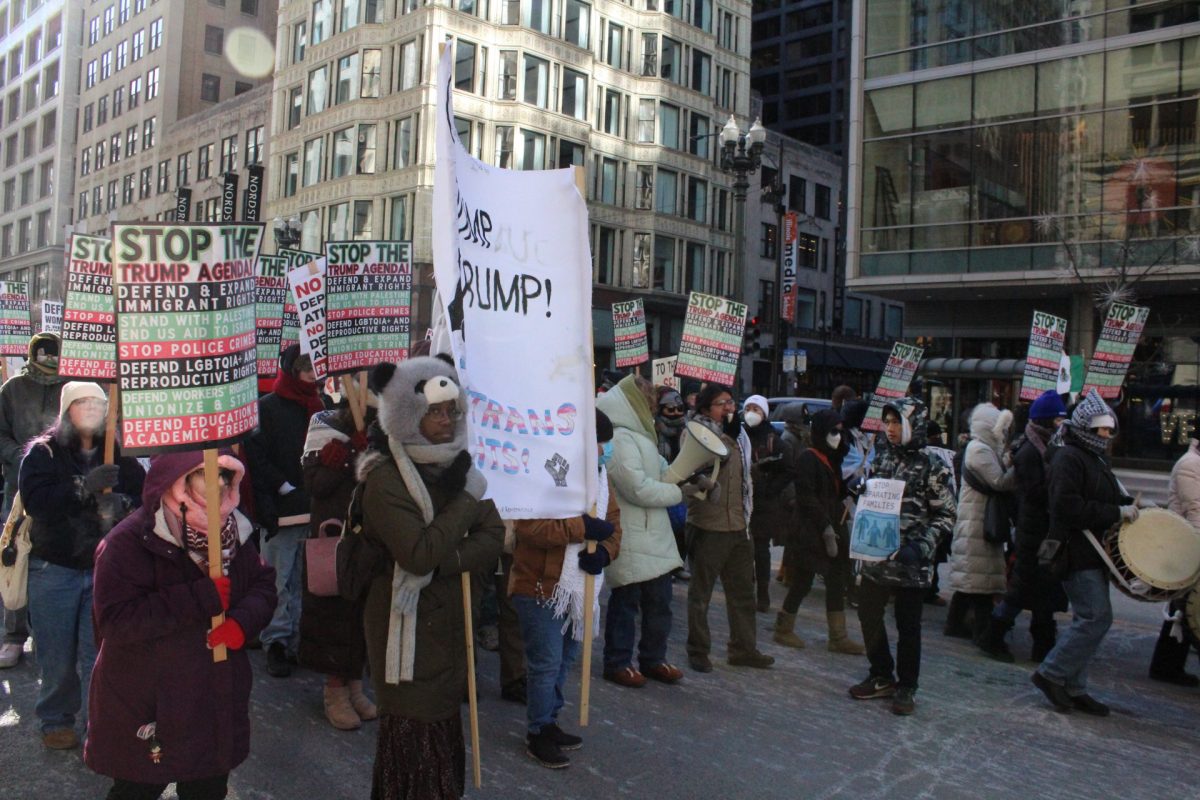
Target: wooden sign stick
{"type": "Point", "coordinates": [350, 390]}
{"type": "Point", "coordinates": [589, 594]}
{"type": "Point", "coordinates": [212, 497]}
{"type": "Point", "coordinates": [110, 427]}
{"type": "Point", "coordinates": [472, 697]}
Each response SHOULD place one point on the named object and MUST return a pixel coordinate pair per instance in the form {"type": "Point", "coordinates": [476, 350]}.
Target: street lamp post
{"type": "Point", "coordinates": [287, 233]}
{"type": "Point", "coordinates": [741, 154]}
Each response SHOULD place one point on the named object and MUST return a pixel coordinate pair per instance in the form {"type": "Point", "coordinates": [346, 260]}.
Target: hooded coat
{"type": "Point", "coordinates": [976, 565]}
{"type": "Point", "coordinates": [648, 548]}
{"type": "Point", "coordinates": [1184, 487]}
{"type": "Point", "coordinates": [819, 494]}
{"type": "Point", "coordinates": [152, 610]}
{"type": "Point", "coordinates": [28, 406]}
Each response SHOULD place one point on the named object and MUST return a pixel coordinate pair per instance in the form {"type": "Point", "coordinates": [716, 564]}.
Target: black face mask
{"type": "Point", "coordinates": [733, 427]}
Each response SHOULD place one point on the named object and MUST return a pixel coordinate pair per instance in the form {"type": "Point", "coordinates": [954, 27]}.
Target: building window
{"type": "Point", "coordinates": [370, 83]}
{"type": "Point", "coordinates": [229, 147]}
{"type": "Point", "coordinates": [365, 154]}
{"type": "Point", "coordinates": [214, 40]}
{"type": "Point", "coordinates": [698, 135]}
{"type": "Point", "coordinates": [347, 79]}
{"type": "Point", "coordinates": [139, 45]}
{"type": "Point", "coordinates": [135, 92]}
{"type": "Point", "coordinates": [570, 154]}
{"type": "Point", "coordinates": [156, 29]}
{"type": "Point", "coordinates": [122, 55]}
{"type": "Point", "coordinates": [291, 174]}
{"type": "Point", "coordinates": [821, 197]}
{"type": "Point", "coordinates": [612, 112]}
{"type": "Point", "coordinates": [241, 87]}
{"type": "Point", "coordinates": [577, 24]}
{"type": "Point", "coordinates": [148, 136]}
{"type": "Point", "coordinates": [85, 161]}
{"type": "Point", "coordinates": [574, 94]}
{"type": "Point", "coordinates": [507, 89]}
{"type": "Point", "coordinates": [254, 145]}
{"type": "Point", "coordinates": [399, 225]}
{"type": "Point", "coordinates": [615, 57]}
{"type": "Point", "coordinates": [146, 183]}
{"type": "Point", "coordinates": [693, 279]}
{"type": "Point", "coordinates": [533, 150]}
{"type": "Point", "coordinates": [649, 55]}
{"type": "Point", "coordinates": [666, 190]}
{"type": "Point", "coordinates": [852, 317]}
{"type": "Point", "coordinates": [102, 111]}
{"type": "Point", "coordinates": [364, 220]}
{"type": "Point", "coordinates": [768, 240]}
{"type": "Point", "coordinates": [299, 41]}
{"type": "Point", "coordinates": [701, 72]}
{"type": "Point", "coordinates": [314, 156]}
{"type": "Point", "coordinates": [668, 125]}
{"type": "Point", "coordinates": [608, 181]}
{"type": "Point", "coordinates": [204, 162]}
{"type": "Point", "coordinates": [88, 113]}
{"type": "Point", "coordinates": [893, 323]}
{"type": "Point", "coordinates": [670, 64]}
{"type": "Point", "coordinates": [152, 84]}
{"type": "Point", "coordinates": [405, 153]}
{"type": "Point", "coordinates": [504, 146]}
{"type": "Point", "coordinates": [537, 81]}
{"type": "Point", "coordinates": [807, 250]}
{"type": "Point", "coordinates": [250, 7]}
{"type": "Point", "coordinates": [114, 147]}
{"type": "Point", "coordinates": [182, 167]}
{"type": "Point", "coordinates": [210, 88]}
{"type": "Point", "coordinates": [110, 18]}
{"type": "Point", "coordinates": [606, 255]}
{"type": "Point", "coordinates": [464, 66]}
{"type": "Point", "coordinates": [339, 222]}
{"type": "Point", "coordinates": [664, 263]}
{"type": "Point", "coordinates": [83, 206]}
{"type": "Point", "coordinates": [644, 196]}
{"type": "Point", "coordinates": [536, 15]}
{"type": "Point", "coordinates": [322, 20]}
{"type": "Point", "coordinates": [410, 64]}
{"type": "Point", "coordinates": [295, 105]}
{"type": "Point", "coordinates": [697, 200]}
{"type": "Point", "coordinates": [797, 193]}
{"type": "Point", "coordinates": [100, 151]}
{"type": "Point", "coordinates": [127, 189]}
{"type": "Point", "coordinates": [118, 100]}
{"type": "Point", "coordinates": [806, 309]}
{"type": "Point", "coordinates": [343, 153]}
{"type": "Point", "coordinates": [131, 141]}
{"type": "Point", "coordinates": [318, 90]}
{"type": "Point", "coordinates": [90, 74]}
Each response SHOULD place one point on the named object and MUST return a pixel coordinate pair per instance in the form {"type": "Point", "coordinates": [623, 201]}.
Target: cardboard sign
{"type": "Point", "coordinates": [712, 339]}
{"type": "Point", "coordinates": [876, 531]}
{"type": "Point", "coordinates": [186, 356]}
{"type": "Point", "coordinates": [308, 289]}
{"type": "Point", "coordinates": [893, 383]}
{"type": "Point", "coordinates": [1114, 350]}
{"type": "Point", "coordinates": [89, 334]}
{"type": "Point", "coordinates": [16, 329]}
{"type": "Point", "coordinates": [270, 292]}
{"type": "Point", "coordinates": [52, 316]}
{"type": "Point", "coordinates": [629, 334]}
{"type": "Point", "coordinates": [663, 370]}
{"type": "Point", "coordinates": [787, 289]}
{"type": "Point", "coordinates": [1044, 359]}
{"type": "Point", "coordinates": [368, 304]}
{"type": "Point", "coordinates": [291, 317]}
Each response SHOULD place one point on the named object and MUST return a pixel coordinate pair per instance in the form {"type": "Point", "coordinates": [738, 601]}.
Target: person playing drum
{"type": "Point", "coordinates": [1084, 495]}
{"type": "Point", "coordinates": [1175, 640]}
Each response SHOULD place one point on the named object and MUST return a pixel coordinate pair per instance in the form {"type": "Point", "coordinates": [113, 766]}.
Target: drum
{"type": "Point", "coordinates": [1158, 555]}
{"type": "Point", "coordinates": [1191, 612]}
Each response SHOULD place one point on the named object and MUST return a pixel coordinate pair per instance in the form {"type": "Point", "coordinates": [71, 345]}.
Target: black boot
{"type": "Point", "coordinates": [956, 617]}
{"type": "Point", "coordinates": [1044, 637]}
{"type": "Point", "coordinates": [1169, 659]}
{"type": "Point", "coordinates": [981, 617]}
{"type": "Point", "coordinates": [992, 641]}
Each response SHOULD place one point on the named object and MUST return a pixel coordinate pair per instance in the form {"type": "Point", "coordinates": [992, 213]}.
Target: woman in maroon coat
{"type": "Point", "coordinates": [160, 710]}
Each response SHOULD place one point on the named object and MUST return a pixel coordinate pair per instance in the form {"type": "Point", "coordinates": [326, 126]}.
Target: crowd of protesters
{"type": "Point", "coordinates": [121, 602]}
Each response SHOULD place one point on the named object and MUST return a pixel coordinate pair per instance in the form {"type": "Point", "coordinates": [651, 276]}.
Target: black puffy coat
{"type": "Point", "coordinates": [1083, 494]}
{"type": "Point", "coordinates": [274, 452]}
{"type": "Point", "coordinates": [820, 493]}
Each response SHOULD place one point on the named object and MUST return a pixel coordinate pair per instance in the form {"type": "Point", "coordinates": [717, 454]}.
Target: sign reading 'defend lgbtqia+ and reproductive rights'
{"type": "Point", "coordinates": [1114, 350]}
{"type": "Point", "coordinates": [629, 333]}
{"type": "Point", "coordinates": [897, 375]}
{"type": "Point", "coordinates": [368, 298]}
{"type": "Point", "coordinates": [89, 334]}
{"type": "Point", "coordinates": [16, 329]}
{"type": "Point", "coordinates": [186, 357]}
{"type": "Point", "coordinates": [270, 294]}
{"type": "Point", "coordinates": [291, 316]}
{"type": "Point", "coordinates": [1044, 359]}
{"type": "Point", "coordinates": [712, 339]}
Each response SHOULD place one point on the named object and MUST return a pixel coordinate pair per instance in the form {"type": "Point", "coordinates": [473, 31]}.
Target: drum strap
{"type": "Point", "coordinates": [1133, 588]}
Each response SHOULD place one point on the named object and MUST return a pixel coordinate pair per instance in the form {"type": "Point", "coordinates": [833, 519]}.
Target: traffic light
{"type": "Point", "coordinates": [750, 344]}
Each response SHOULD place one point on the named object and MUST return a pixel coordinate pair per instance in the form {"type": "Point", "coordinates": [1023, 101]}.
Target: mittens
{"type": "Point", "coordinates": [102, 477]}
{"type": "Point", "coordinates": [596, 530]}
{"type": "Point", "coordinates": [1129, 513]}
{"type": "Point", "coordinates": [908, 554]}
{"type": "Point", "coordinates": [228, 633]}
{"type": "Point", "coordinates": [334, 454]}
{"type": "Point", "coordinates": [593, 563]}
{"type": "Point", "coordinates": [223, 589]}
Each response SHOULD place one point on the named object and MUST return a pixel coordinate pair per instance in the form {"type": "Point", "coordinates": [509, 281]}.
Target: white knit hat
{"type": "Point", "coordinates": [78, 390]}
{"type": "Point", "coordinates": [757, 400]}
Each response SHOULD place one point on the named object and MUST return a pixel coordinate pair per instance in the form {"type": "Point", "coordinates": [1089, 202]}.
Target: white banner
{"type": "Point", "coordinates": [663, 370]}
{"type": "Point", "coordinates": [513, 270]}
{"type": "Point", "coordinates": [52, 316]}
{"type": "Point", "coordinates": [307, 283]}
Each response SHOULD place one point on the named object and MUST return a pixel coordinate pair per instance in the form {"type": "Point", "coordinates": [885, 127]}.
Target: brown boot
{"type": "Point", "coordinates": [839, 640]}
{"type": "Point", "coordinates": [338, 710]}
{"type": "Point", "coordinates": [785, 635]}
{"type": "Point", "coordinates": [362, 704]}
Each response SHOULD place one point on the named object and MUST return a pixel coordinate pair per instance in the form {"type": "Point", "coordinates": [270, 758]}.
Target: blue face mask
{"type": "Point", "coordinates": [606, 454]}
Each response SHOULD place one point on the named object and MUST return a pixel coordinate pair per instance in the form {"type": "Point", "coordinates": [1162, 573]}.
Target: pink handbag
{"type": "Point", "coordinates": [320, 559]}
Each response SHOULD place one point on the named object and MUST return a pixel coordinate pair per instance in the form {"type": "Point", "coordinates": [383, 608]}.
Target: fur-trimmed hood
{"type": "Point", "coordinates": [991, 425]}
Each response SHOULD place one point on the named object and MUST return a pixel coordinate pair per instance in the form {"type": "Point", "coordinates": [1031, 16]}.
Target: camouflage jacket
{"type": "Point", "coordinates": [928, 510]}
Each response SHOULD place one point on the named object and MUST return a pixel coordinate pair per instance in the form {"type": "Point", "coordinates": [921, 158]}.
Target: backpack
{"type": "Point", "coordinates": [359, 560]}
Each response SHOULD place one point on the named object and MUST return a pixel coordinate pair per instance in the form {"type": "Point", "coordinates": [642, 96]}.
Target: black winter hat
{"type": "Point", "coordinates": [604, 427]}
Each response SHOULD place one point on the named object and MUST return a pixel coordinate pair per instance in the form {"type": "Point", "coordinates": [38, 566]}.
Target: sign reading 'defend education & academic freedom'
{"type": "Point", "coordinates": [712, 339]}
{"type": "Point", "coordinates": [270, 294]}
{"type": "Point", "coordinates": [629, 333]}
{"type": "Point", "coordinates": [897, 375]}
{"type": "Point", "coordinates": [89, 334]}
{"type": "Point", "coordinates": [16, 329]}
{"type": "Point", "coordinates": [368, 304]}
{"type": "Point", "coordinates": [291, 316]}
{"type": "Point", "coordinates": [1042, 362]}
{"type": "Point", "coordinates": [186, 357]}
{"type": "Point", "coordinates": [1119, 338]}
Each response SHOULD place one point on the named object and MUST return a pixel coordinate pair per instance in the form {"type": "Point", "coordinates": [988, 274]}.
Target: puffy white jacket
{"type": "Point", "coordinates": [1184, 487]}
{"type": "Point", "coordinates": [976, 565]}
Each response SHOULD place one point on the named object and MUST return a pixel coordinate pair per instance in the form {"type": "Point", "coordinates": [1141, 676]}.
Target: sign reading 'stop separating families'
{"type": "Point", "coordinates": [1044, 359]}
{"type": "Point", "coordinates": [15, 327]}
{"type": "Point", "coordinates": [368, 297]}
{"type": "Point", "coordinates": [897, 375]}
{"type": "Point", "coordinates": [89, 335]}
{"type": "Point", "coordinates": [712, 339]}
{"type": "Point", "coordinates": [291, 316]}
{"type": "Point", "coordinates": [629, 333]}
{"type": "Point", "coordinates": [1122, 329]}
{"type": "Point", "coordinates": [270, 292]}
{"type": "Point", "coordinates": [186, 357]}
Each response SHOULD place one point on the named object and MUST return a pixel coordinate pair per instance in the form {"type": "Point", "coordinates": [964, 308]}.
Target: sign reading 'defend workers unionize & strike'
{"type": "Point", "coordinates": [897, 375]}
{"type": "Point", "coordinates": [1119, 338]}
{"type": "Point", "coordinates": [89, 334]}
{"type": "Point", "coordinates": [712, 339]}
{"type": "Point", "coordinates": [186, 357]}
{"type": "Point", "coordinates": [16, 329]}
{"type": "Point", "coordinates": [270, 293]}
{"type": "Point", "coordinates": [629, 333]}
{"type": "Point", "coordinates": [1042, 361]}
{"type": "Point", "coordinates": [368, 297]}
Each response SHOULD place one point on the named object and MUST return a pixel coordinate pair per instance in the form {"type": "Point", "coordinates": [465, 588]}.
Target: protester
{"type": "Point", "coordinates": [856, 466]}
{"type": "Point", "coordinates": [274, 451]}
{"type": "Point", "coordinates": [669, 422]}
{"type": "Point", "coordinates": [161, 710]}
{"type": "Point", "coordinates": [842, 394]}
{"type": "Point", "coordinates": [28, 405]}
{"type": "Point", "coordinates": [422, 501]}
{"type": "Point", "coordinates": [797, 438]}
{"type": "Point", "coordinates": [977, 566]}
{"type": "Point", "coordinates": [774, 495]}
{"type": "Point", "coordinates": [936, 446]}
{"type": "Point", "coordinates": [927, 513]}
{"type": "Point", "coordinates": [1030, 587]}
{"type": "Point", "coordinates": [820, 542]}
{"type": "Point", "coordinates": [331, 628]}
{"type": "Point", "coordinates": [1084, 495]}
{"type": "Point", "coordinates": [64, 484]}
{"type": "Point", "coordinates": [549, 563]}
{"type": "Point", "coordinates": [719, 542]}
{"type": "Point", "coordinates": [1175, 640]}
{"type": "Point", "coordinates": [641, 578]}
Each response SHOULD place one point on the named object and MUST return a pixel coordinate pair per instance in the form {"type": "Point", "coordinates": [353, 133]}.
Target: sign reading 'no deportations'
{"type": "Point", "coordinates": [368, 294]}
{"type": "Point", "coordinates": [185, 333]}
{"type": "Point", "coordinates": [712, 339]}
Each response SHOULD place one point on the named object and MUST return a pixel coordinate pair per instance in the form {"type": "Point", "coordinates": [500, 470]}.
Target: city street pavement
{"type": "Point", "coordinates": [981, 730]}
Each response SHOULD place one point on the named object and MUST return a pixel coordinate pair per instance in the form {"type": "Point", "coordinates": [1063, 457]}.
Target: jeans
{"type": "Point", "coordinates": [728, 555]}
{"type": "Point", "coordinates": [620, 625]}
{"type": "Point", "coordinates": [549, 656]}
{"type": "Point", "coordinates": [60, 608]}
{"type": "Point", "coordinates": [214, 788]}
{"type": "Point", "coordinates": [835, 587]}
{"type": "Point", "coordinates": [909, 602]}
{"type": "Point", "coordinates": [1067, 663]}
{"type": "Point", "coordinates": [285, 552]}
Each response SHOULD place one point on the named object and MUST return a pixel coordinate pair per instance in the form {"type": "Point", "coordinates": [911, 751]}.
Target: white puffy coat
{"type": "Point", "coordinates": [977, 566]}
{"type": "Point", "coordinates": [1184, 497]}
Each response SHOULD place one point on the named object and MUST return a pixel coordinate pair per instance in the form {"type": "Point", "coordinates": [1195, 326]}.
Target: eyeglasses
{"type": "Point", "coordinates": [449, 412]}
{"type": "Point", "coordinates": [728, 403]}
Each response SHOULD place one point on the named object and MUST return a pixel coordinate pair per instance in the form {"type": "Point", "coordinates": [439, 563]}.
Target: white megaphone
{"type": "Point", "coordinates": [698, 448]}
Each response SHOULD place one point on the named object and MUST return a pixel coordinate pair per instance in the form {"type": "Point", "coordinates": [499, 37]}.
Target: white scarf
{"type": "Point", "coordinates": [567, 600]}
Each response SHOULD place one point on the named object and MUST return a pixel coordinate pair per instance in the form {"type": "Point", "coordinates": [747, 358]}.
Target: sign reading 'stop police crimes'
{"type": "Point", "coordinates": [368, 294]}
{"type": "Point", "coordinates": [185, 304]}
{"type": "Point", "coordinates": [89, 334]}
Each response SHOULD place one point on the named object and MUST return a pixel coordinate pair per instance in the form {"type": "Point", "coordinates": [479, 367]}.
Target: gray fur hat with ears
{"type": "Point", "coordinates": [407, 390]}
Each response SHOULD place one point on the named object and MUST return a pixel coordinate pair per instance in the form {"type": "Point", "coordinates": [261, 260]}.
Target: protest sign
{"type": "Point", "coordinates": [897, 375]}
{"type": "Point", "coordinates": [186, 356]}
{"type": "Point", "coordinates": [514, 274]}
{"type": "Point", "coordinates": [368, 296]}
{"type": "Point", "coordinates": [1044, 359]}
{"type": "Point", "coordinates": [629, 333]}
{"type": "Point", "coordinates": [876, 531]}
{"type": "Point", "coordinates": [270, 292]}
{"type": "Point", "coordinates": [787, 298]}
{"type": "Point", "coordinates": [291, 317]}
{"type": "Point", "coordinates": [1114, 350]}
{"type": "Point", "coordinates": [308, 290]}
{"type": "Point", "coordinates": [52, 316]}
{"type": "Point", "coordinates": [89, 335]}
{"type": "Point", "coordinates": [712, 339]}
{"type": "Point", "coordinates": [663, 372]}
{"type": "Point", "coordinates": [16, 329]}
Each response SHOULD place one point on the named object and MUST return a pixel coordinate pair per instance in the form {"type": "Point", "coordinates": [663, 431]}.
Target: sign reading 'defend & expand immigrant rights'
{"type": "Point", "coordinates": [291, 315]}
{"type": "Point", "coordinates": [712, 339]}
{"type": "Point", "coordinates": [15, 327]}
{"type": "Point", "coordinates": [1042, 362]}
{"type": "Point", "coordinates": [270, 293]}
{"type": "Point", "coordinates": [368, 296]}
{"type": "Point", "coordinates": [89, 334]}
{"type": "Point", "coordinates": [1119, 338]}
{"type": "Point", "coordinates": [186, 357]}
{"type": "Point", "coordinates": [629, 333]}
{"type": "Point", "coordinates": [897, 375]}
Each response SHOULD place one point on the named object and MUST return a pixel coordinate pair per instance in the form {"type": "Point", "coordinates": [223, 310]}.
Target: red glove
{"type": "Point", "coordinates": [334, 454]}
{"type": "Point", "coordinates": [359, 441]}
{"type": "Point", "coordinates": [228, 633]}
{"type": "Point", "coordinates": [223, 589]}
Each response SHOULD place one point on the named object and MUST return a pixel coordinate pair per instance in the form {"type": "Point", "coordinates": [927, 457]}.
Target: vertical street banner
{"type": "Point", "coordinates": [513, 270]}
{"type": "Point", "coordinates": [89, 334]}
{"type": "Point", "coordinates": [712, 339]}
{"type": "Point", "coordinates": [308, 289]}
{"type": "Point", "coordinates": [662, 371]}
{"type": "Point", "coordinates": [629, 333]}
{"type": "Point", "coordinates": [787, 287]}
{"type": "Point", "coordinates": [270, 292]}
{"type": "Point", "coordinates": [229, 187]}
{"type": "Point", "coordinates": [183, 204]}
{"type": "Point", "coordinates": [1046, 339]}
{"type": "Point", "coordinates": [186, 356]}
{"type": "Point", "coordinates": [291, 318]}
{"type": "Point", "coordinates": [897, 375]}
{"type": "Point", "coordinates": [1114, 350]}
{"type": "Point", "coordinates": [52, 316]}
{"type": "Point", "coordinates": [368, 304]}
{"type": "Point", "coordinates": [252, 196]}
{"type": "Point", "coordinates": [16, 329]}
